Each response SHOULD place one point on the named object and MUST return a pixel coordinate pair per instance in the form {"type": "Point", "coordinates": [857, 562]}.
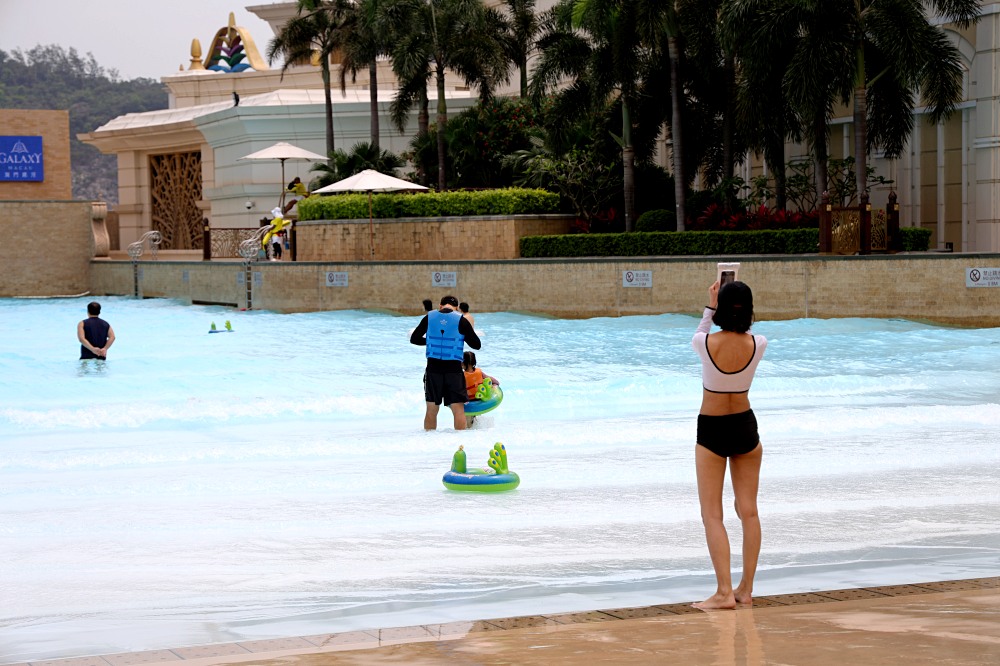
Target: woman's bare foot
{"type": "Point", "coordinates": [717, 601]}
{"type": "Point", "coordinates": [743, 598]}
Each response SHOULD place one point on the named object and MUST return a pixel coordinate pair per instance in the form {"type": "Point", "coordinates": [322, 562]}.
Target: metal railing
{"type": "Point", "coordinates": [251, 248]}
{"type": "Point", "coordinates": [135, 250]}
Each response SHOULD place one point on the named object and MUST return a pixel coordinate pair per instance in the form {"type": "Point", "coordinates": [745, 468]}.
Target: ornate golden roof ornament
{"type": "Point", "coordinates": [233, 50]}
{"type": "Point", "coordinates": [195, 55]}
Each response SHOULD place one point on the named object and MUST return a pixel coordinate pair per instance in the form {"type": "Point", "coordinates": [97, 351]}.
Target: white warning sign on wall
{"type": "Point", "coordinates": [336, 279]}
{"type": "Point", "coordinates": [444, 279]}
{"type": "Point", "coordinates": [982, 277]}
{"type": "Point", "coordinates": [637, 279]}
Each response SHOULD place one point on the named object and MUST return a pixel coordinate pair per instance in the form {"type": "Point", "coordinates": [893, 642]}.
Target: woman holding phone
{"type": "Point", "coordinates": [727, 434]}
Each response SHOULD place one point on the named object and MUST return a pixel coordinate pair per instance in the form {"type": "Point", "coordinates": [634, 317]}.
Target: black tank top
{"type": "Point", "coordinates": [95, 330]}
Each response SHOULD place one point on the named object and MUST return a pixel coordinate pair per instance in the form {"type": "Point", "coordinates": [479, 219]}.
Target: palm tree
{"type": "Point", "coordinates": [604, 48]}
{"type": "Point", "coordinates": [520, 27]}
{"type": "Point", "coordinates": [409, 52]}
{"type": "Point", "coordinates": [365, 42]}
{"type": "Point", "coordinates": [899, 53]}
{"type": "Point", "coordinates": [318, 29]}
{"type": "Point", "coordinates": [433, 36]}
{"type": "Point", "coordinates": [764, 44]}
{"type": "Point", "coordinates": [883, 53]}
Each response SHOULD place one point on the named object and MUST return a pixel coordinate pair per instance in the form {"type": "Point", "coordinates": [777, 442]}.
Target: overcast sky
{"type": "Point", "coordinates": [136, 37]}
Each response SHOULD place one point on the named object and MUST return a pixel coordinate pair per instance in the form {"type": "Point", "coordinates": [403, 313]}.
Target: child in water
{"type": "Point", "coordinates": [473, 375]}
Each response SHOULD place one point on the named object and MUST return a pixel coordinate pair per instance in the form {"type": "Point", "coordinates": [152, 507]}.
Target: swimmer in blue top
{"type": "Point", "coordinates": [727, 433]}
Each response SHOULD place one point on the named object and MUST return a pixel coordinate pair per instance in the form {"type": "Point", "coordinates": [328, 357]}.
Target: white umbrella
{"type": "Point", "coordinates": [370, 181]}
{"type": "Point", "coordinates": [283, 151]}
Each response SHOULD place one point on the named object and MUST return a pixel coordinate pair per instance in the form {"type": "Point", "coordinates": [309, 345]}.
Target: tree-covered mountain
{"type": "Point", "coordinates": [51, 77]}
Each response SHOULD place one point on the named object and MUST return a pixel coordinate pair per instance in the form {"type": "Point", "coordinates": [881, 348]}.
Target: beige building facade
{"type": "Point", "coordinates": [180, 168]}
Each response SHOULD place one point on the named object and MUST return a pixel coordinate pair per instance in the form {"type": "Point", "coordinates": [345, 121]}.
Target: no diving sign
{"type": "Point", "coordinates": [444, 279]}
{"type": "Point", "coordinates": [982, 277]}
{"type": "Point", "coordinates": [637, 279]}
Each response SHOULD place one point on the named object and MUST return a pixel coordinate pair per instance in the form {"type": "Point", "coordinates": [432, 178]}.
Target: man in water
{"type": "Point", "coordinates": [445, 332]}
{"type": "Point", "coordinates": [96, 335]}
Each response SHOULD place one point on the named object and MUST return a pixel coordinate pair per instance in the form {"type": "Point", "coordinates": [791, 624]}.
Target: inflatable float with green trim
{"type": "Point", "coordinates": [488, 398]}
{"type": "Point", "coordinates": [496, 479]}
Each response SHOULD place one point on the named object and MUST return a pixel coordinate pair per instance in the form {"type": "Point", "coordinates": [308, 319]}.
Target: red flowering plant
{"type": "Point", "coordinates": [716, 218]}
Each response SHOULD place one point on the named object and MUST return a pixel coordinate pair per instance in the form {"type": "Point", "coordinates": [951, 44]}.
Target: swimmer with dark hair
{"type": "Point", "coordinates": [95, 335]}
{"type": "Point", "coordinates": [727, 435]}
{"type": "Point", "coordinates": [444, 334]}
{"type": "Point", "coordinates": [474, 376]}
{"type": "Point", "coordinates": [464, 307]}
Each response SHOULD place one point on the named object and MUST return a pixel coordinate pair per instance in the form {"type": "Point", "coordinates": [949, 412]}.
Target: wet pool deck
{"type": "Point", "coordinates": [946, 623]}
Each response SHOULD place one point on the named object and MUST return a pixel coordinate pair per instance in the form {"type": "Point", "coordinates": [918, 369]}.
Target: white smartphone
{"type": "Point", "coordinates": [728, 272]}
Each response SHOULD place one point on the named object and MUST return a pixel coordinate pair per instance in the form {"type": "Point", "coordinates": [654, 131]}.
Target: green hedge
{"type": "Point", "coordinates": [665, 243]}
{"type": "Point", "coordinates": [511, 201]}
{"type": "Point", "coordinates": [682, 243]}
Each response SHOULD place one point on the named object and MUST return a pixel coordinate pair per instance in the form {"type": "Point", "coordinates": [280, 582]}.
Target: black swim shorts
{"type": "Point", "coordinates": [729, 435]}
{"type": "Point", "coordinates": [448, 386]}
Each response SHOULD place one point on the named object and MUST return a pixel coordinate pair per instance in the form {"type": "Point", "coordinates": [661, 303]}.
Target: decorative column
{"type": "Point", "coordinates": [98, 215]}
{"type": "Point", "coordinates": [825, 225]}
{"type": "Point", "coordinates": [985, 231]}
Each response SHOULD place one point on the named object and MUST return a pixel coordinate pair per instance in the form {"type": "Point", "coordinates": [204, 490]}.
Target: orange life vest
{"type": "Point", "coordinates": [472, 381]}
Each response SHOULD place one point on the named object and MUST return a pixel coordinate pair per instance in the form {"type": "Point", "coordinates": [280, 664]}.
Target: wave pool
{"type": "Point", "coordinates": [276, 480]}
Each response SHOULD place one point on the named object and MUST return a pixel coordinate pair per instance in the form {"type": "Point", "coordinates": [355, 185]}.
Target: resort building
{"type": "Point", "coordinates": [180, 167]}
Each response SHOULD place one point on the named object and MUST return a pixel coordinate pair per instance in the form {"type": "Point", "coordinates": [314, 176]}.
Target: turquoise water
{"type": "Point", "coordinates": [276, 480]}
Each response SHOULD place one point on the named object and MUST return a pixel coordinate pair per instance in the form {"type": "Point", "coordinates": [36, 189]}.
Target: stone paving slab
{"type": "Point", "coordinates": [326, 644]}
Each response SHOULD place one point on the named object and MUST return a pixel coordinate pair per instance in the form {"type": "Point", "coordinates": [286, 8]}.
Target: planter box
{"type": "Point", "coordinates": [423, 238]}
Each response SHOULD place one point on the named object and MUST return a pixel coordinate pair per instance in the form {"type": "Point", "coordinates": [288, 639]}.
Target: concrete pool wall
{"type": "Point", "coordinates": [922, 286]}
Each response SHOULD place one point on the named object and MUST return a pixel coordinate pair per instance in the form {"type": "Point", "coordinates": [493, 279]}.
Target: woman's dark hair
{"type": "Point", "coordinates": [464, 307]}
{"type": "Point", "coordinates": [469, 360]}
{"type": "Point", "coordinates": [735, 311]}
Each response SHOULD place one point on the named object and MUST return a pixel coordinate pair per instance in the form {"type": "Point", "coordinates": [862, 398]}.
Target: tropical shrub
{"type": "Point", "coordinates": [477, 141]}
{"type": "Point", "coordinates": [657, 220]}
{"type": "Point", "coordinates": [363, 155]}
{"type": "Point", "coordinates": [915, 239]}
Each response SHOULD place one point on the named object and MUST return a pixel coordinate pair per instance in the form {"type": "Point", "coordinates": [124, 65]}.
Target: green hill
{"type": "Point", "coordinates": [50, 77]}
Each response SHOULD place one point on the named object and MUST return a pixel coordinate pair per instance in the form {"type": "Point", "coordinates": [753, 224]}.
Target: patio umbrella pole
{"type": "Point", "coordinates": [282, 151]}
{"type": "Point", "coordinates": [369, 181]}
{"type": "Point", "coordinates": [371, 228]}
{"type": "Point", "coordinates": [281, 199]}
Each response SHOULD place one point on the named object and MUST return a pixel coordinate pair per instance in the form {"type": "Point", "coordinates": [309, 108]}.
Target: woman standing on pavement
{"type": "Point", "coordinates": [727, 435]}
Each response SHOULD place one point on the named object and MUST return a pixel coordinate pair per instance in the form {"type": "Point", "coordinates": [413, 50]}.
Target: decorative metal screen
{"type": "Point", "coordinates": [880, 234]}
{"type": "Point", "coordinates": [226, 242]}
{"type": "Point", "coordinates": [846, 231]}
{"type": "Point", "coordinates": [175, 190]}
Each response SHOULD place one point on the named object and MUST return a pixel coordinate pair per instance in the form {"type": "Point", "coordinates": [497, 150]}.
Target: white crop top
{"type": "Point", "coordinates": [714, 379]}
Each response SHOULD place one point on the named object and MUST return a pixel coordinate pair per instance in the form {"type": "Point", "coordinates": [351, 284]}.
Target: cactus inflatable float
{"type": "Point", "coordinates": [496, 479]}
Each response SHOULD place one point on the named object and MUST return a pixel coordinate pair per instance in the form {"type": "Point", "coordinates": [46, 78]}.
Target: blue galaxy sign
{"type": "Point", "coordinates": [21, 159]}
